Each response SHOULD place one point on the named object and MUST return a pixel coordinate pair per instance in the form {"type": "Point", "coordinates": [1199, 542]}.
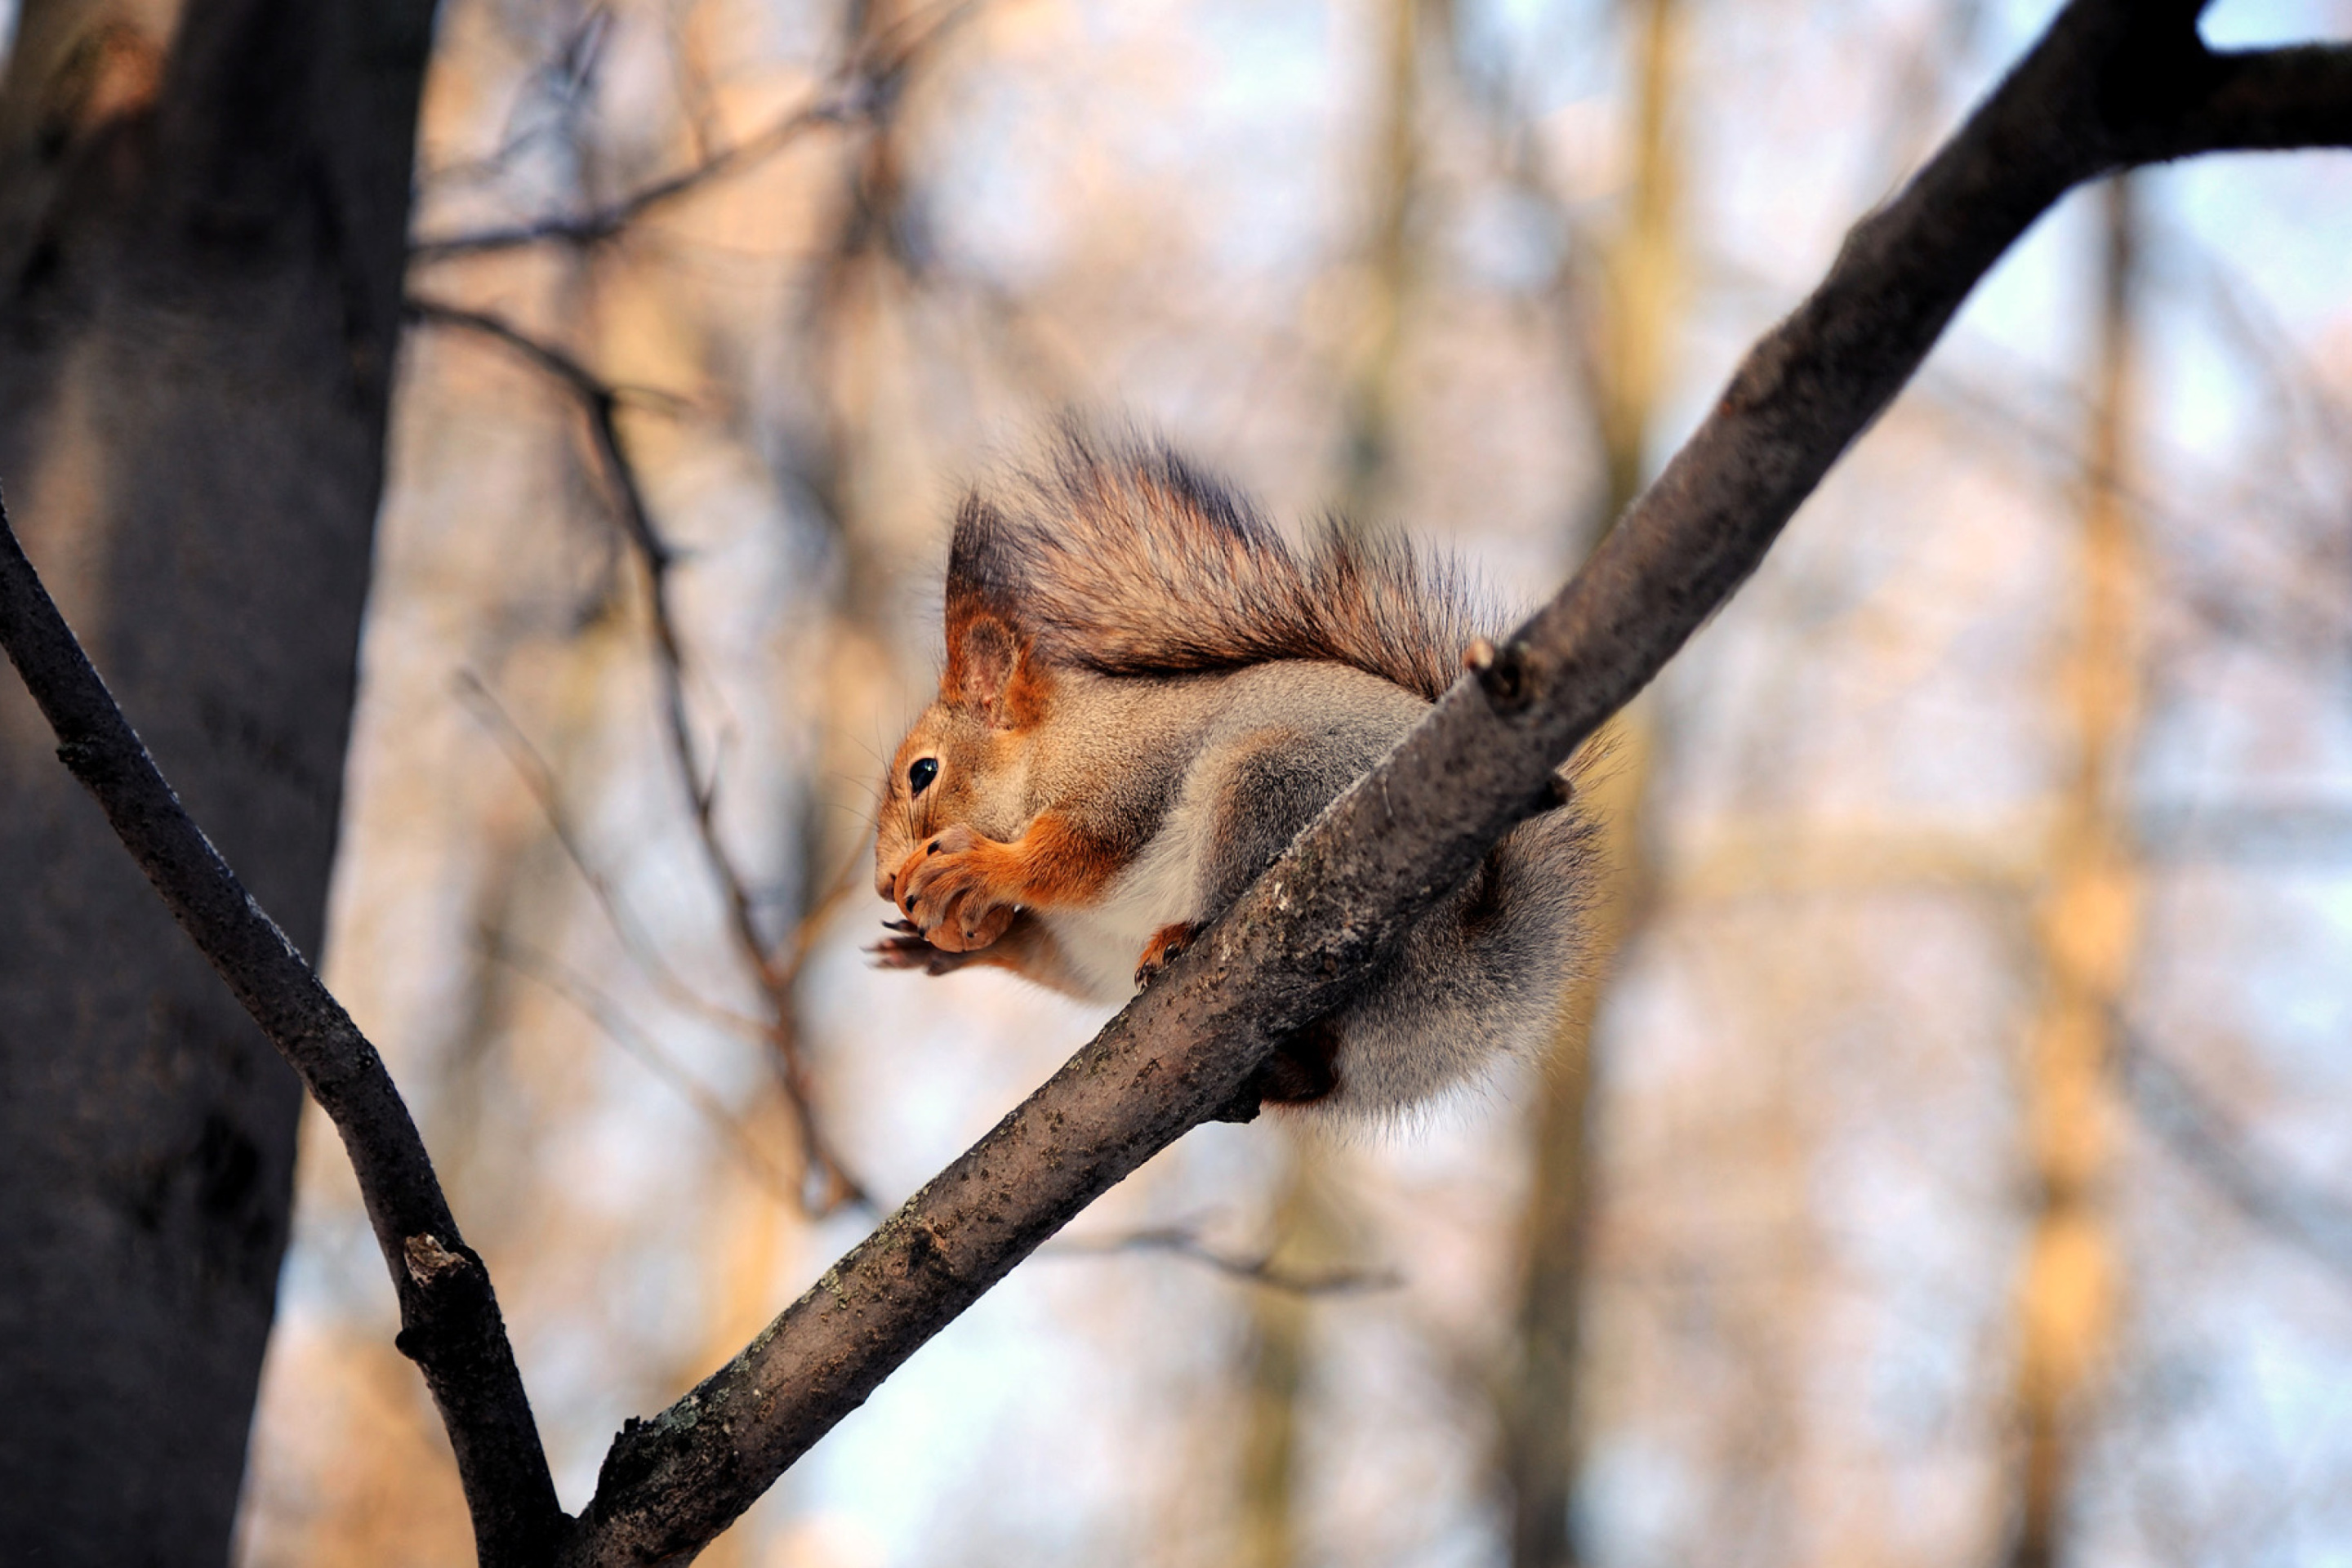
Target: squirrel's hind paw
{"type": "Point", "coordinates": [1166, 946]}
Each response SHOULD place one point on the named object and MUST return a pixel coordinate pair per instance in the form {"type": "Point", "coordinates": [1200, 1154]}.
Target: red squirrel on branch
{"type": "Point", "coordinates": [1147, 693]}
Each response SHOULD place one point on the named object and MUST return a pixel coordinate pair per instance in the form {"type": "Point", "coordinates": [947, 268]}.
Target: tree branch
{"type": "Point", "coordinates": [2208, 1140]}
{"type": "Point", "coordinates": [603, 223]}
{"type": "Point", "coordinates": [773, 971]}
{"type": "Point", "coordinates": [1185, 1051]}
{"type": "Point", "coordinates": [594, 1003]}
{"type": "Point", "coordinates": [1259, 1268]}
{"type": "Point", "coordinates": [449, 1317]}
{"type": "Point", "coordinates": [871, 86]}
{"type": "Point", "coordinates": [538, 776]}
{"type": "Point", "coordinates": [2263, 100]}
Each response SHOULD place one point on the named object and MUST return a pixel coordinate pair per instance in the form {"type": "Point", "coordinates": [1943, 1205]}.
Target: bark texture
{"type": "Point", "coordinates": [201, 244]}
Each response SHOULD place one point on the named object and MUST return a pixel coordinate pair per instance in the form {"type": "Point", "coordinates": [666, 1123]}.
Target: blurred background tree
{"type": "Point", "coordinates": [1982, 875]}
{"type": "Point", "coordinates": [203, 222]}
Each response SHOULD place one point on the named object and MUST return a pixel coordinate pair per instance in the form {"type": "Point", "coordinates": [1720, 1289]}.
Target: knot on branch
{"type": "Point", "coordinates": [641, 1448]}
{"type": "Point", "coordinates": [664, 1457]}
{"type": "Point", "coordinates": [428, 1262]}
{"type": "Point", "coordinates": [87, 760]}
{"type": "Point", "coordinates": [1247, 1101]}
{"type": "Point", "coordinates": [925, 1250]}
{"type": "Point", "coordinates": [449, 1320]}
{"type": "Point", "coordinates": [1506, 675]}
{"type": "Point", "coordinates": [2156, 74]}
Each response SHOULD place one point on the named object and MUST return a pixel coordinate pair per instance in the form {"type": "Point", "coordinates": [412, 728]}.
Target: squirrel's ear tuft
{"type": "Point", "coordinates": [984, 563]}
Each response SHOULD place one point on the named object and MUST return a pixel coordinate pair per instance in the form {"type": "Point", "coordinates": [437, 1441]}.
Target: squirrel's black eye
{"type": "Point", "coordinates": [922, 773]}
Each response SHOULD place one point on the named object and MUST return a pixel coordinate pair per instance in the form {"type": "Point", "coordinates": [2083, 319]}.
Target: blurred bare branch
{"type": "Point", "coordinates": [1256, 1268]}
{"type": "Point", "coordinates": [600, 1008]}
{"type": "Point", "coordinates": [2210, 1141]}
{"type": "Point", "coordinates": [539, 777]}
{"type": "Point", "coordinates": [605, 222]}
{"type": "Point", "coordinates": [2086, 925]}
{"type": "Point", "coordinates": [774, 969]}
{"type": "Point", "coordinates": [864, 88]}
{"type": "Point", "coordinates": [565, 78]}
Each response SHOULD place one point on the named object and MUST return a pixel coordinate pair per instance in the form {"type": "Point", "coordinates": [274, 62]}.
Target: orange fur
{"type": "Point", "coordinates": [961, 889]}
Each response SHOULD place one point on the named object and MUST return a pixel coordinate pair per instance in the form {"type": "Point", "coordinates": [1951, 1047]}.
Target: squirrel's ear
{"type": "Point", "coordinates": [989, 667]}
{"type": "Point", "coordinates": [982, 656]}
{"type": "Point", "coordinates": [990, 672]}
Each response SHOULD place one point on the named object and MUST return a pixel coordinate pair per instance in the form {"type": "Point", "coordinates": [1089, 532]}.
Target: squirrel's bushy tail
{"type": "Point", "coordinates": [1120, 558]}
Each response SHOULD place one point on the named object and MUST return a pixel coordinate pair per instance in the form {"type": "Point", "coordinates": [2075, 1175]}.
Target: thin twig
{"type": "Point", "coordinates": [610, 1017]}
{"type": "Point", "coordinates": [2208, 1140]}
{"type": "Point", "coordinates": [604, 222]}
{"type": "Point", "coordinates": [867, 88]}
{"type": "Point", "coordinates": [775, 973]}
{"type": "Point", "coordinates": [1257, 1269]}
{"type": "Point", "coordinates": [538, 778]}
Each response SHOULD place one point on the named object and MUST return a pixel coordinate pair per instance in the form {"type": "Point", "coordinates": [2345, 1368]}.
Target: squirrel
{"type": "Point", "coordinates": [1148, 692]}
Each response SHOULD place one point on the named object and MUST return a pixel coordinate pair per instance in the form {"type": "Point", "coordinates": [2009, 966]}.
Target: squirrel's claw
{"type": "Point", "coordinates": [944, 888]}
{"type": "Point", "coordinates": [1166, 946]}
{"type": "Point", "coordinates": [912, 953]}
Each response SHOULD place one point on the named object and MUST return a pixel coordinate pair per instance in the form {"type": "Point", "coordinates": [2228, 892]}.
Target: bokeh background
{"type": "Point", "coordinates": [1953, 1165]}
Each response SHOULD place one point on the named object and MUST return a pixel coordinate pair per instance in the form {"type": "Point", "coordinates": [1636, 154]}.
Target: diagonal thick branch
{"type": "Point", "coordinates": [449, 1318]}
{"type": "Point", "coordinates": [2112, 83]}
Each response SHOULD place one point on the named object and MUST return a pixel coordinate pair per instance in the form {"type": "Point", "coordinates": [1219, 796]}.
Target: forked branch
{"type": "Point", "coordinates": [449, 1318]}
{"type": "Point", "coordinates": [864, 92]}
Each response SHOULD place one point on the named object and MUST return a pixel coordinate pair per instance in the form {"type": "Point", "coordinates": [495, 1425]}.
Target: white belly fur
{"type": "Point", "coordinates": [1161, 888]}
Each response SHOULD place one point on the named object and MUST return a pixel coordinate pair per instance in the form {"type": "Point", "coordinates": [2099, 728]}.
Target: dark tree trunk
{"type": "Point", "coordinates": [201, 250]}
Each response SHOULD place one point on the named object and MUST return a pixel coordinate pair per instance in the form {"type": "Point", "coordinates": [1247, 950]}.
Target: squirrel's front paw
{"type": "Point", "coordinates": [1167, 944]}
{"type": "Point", "coordinates": [945, 889]}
